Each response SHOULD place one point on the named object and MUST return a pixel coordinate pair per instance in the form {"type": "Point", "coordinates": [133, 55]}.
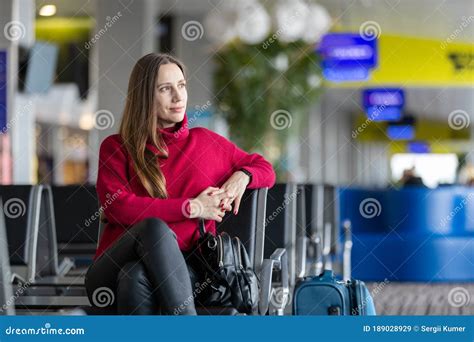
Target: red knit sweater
{"type": "Point", "coordinates": [197, 158]}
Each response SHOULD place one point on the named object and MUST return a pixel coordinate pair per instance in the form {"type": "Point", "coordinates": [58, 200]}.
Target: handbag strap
{"type": "Point", "coordinates": [202, 228]}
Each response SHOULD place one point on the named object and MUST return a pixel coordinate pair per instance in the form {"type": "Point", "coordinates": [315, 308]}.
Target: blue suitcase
{"type": "Point", "coordinates": [325, 295]}
{"type": "Point", "coordinates": [320, 293]}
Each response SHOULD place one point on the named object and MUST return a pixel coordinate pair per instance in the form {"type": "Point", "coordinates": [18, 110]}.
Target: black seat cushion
{"type": "Point", "coordinates": [16, 204]}
{"type": "Point", "coordinates": [76, 213]}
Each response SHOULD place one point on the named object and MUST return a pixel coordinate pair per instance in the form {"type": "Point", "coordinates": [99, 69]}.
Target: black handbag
{"type": "Point", "coordinates": [227, 268]}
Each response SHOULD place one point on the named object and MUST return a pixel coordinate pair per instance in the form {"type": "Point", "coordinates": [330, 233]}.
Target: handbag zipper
{"type": "Point", "coordinates": [239, 253]}
{"type": "Point", "coordinates": [221, 252]}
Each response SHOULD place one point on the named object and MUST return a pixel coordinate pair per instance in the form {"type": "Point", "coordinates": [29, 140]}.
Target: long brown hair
{"type": "Point", "coordinates": [140, 126]}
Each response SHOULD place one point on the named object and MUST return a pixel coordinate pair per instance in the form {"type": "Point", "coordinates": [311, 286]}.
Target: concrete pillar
{"type": "Point", "coordinates": [195, 50]}
{"type": "Point", "coordinates": [316, 145]}
{"type": "Point", "coordinates": [125, 31]}
{"type": "Point", "coordinates": [331, 148]}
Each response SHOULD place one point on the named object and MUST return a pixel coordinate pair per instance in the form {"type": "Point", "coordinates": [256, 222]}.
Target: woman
{"type": "Point", "coordinates": [156, 179]}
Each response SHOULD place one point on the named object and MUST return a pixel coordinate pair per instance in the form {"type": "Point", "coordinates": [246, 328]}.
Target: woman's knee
{"type": "Point", "coordinates": [155, 228]}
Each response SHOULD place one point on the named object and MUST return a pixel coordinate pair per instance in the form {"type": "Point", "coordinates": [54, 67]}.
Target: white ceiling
{"type": "Point", "coordinates": [424, 18]}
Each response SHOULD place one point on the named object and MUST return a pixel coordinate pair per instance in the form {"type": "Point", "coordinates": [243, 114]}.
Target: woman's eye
{"type": "Point", "coordinates": [164, 89]}
{"type": "Point", "coordinates": [182, 85]}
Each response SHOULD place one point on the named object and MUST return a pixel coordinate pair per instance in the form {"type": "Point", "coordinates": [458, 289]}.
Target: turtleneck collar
{"type": "Point", "coordinates": [177, 132]}
{"type": "Point", "coordinates": [170, 135]}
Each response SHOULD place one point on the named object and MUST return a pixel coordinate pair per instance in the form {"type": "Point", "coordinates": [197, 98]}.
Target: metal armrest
{"type": "Point", "coordinates": [301, 246]}
{"type": "Point", "coordinates": [65, 266]}
{"type": "Point", "coordinates": [317, 262]}
{"type": "Point", "coordinates": [274, 300]}
{"type": "Point", "coordinates": [327, 258]}
{"type": "Point", "coordinates": [16, 278]}
{"type": "Point", "coordinates": [346, 263]}
{"type": "Point", "coordinates": [301, 234]}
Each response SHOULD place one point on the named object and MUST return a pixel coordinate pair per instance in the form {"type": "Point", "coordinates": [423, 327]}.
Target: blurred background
{"type": "Point", "coordinates": [69, 61]}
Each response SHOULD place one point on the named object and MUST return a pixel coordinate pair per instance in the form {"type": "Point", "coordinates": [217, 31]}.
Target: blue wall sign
{"type": "Point", "coordinates": [347, 56]}
{"type": "Point", "coordinates": [3, 90]}
{"type": "Point", "coordinates": [383, 104]}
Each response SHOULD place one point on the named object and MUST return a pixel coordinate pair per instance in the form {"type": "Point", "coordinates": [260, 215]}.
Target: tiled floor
{"type": "Point", "coordinates": [423, 299]}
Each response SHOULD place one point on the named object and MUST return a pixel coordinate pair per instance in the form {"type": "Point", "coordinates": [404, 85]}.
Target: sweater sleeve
{"type": "Point", "coordinates": [261, 170]}
{"type": "Point", "coordinates": [119, 203]}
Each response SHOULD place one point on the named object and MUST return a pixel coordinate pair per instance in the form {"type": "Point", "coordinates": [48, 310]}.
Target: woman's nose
{"type": "Point", "coordinates": [177, 96]}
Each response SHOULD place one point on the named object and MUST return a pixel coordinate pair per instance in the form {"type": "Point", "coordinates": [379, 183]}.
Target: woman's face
{"type": "Point", "coordinates": [170, 95]}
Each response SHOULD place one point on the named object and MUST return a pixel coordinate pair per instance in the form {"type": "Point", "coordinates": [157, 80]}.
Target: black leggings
{"type": "Point", "coordinates": [144, 272]}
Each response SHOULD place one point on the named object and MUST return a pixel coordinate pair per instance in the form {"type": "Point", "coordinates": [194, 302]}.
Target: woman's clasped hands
{"type": "Point", "coordinates": [213, 203]}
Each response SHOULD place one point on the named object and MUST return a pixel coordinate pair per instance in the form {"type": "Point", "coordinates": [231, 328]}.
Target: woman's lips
{"type": "Point", "coordinates": [177, 109]}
